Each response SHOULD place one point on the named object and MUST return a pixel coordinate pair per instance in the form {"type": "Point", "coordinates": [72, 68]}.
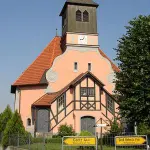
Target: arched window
{"type": "Point", "coordinates": [85, 16]}
{"type": "Point", "coordinates": [78, 15]}
{"type": "Point", "coordinates": [28, 122]}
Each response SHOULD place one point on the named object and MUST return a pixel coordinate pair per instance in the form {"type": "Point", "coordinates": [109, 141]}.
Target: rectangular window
{"type": "Point", "coordinates": [89, 67]}
{"type": "Point", "coordinates": [83, 91]}
{"type": "Point", "coordinates": [61, 102]}
{"type": "Point", "coordinates": [87, 92]}
{"type": "Point", "coordinates": [91, 92]}
{"type": "Point", "coordinates": [75, 66]}
{"type": "Point", "coordinates": [110, 104]}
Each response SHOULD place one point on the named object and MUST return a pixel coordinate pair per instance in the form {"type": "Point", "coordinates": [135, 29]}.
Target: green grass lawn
{"type": "Point", "coordinates": [57, 146]}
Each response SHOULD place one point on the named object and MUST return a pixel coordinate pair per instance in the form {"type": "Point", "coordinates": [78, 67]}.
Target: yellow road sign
{"type": "Point", "coordinates": [133, 140]}
{"type": "Point", "coordinates": [80, 141]}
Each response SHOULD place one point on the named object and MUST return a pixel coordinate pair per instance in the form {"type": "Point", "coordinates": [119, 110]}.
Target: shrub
{"type": "Point", "coordinates": [85, 133]}
{"type": "Point", "coordinates": [37, 140]}
{"type": "Point", "coordinates": [13, 127]}
{"type": "Point", "coordinates": [53, 140]}
{"type": "Point", "coordinates": [4, 118]}
{"type": "Point", "coordinates": [115, 128]}
{"type": "Point", "coordinates": [56, 136]}
{"type": "Point", "coordinates": [66, 130]}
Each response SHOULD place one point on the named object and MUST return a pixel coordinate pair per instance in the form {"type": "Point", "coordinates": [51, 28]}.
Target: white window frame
{"type": "Point", "coordinates": [110, 104]}
{"type": "Point", "coordinates": [61, 102]}
{"type": "Point", "coordinates": [85, 91]}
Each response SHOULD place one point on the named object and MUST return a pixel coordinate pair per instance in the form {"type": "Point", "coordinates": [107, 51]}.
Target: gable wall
{"type": "Point", "coordinates": [62, 72]}
{"type": "Point", "coordinates": [73, 116]}
{"type": "Point", "coordinates": [28, 95]}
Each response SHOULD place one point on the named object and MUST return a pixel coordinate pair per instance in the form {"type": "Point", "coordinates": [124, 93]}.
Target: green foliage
{"type": "Point", "coordinates": [65, 130]}
{"type": "Point", "coordinates": [115, 127]}
{"type": "Point", "coordinates": [47, 140]}
{"type": "Point", "coordinates": [143, 129]}
{"type": "Point", "coordinates": [13, 127]}
{"type": "Point", "coordinates": [56, 136]}
{"type": "Point", "coordinates": [85, 133]}
{"type": "Point", "coordinates": [133, 80]}
{"type": "Point", "coordinates": [54, 140]}
{"type": "Point", "coordinates": [36, 140]}
{"type": "Point", "coordinates": [115, 130]}
{"type": "Point", "coordinates": [4, 118]}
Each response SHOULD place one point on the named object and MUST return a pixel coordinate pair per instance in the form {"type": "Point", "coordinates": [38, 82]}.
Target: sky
{"type": "Point", "coordinates": [27, 26]}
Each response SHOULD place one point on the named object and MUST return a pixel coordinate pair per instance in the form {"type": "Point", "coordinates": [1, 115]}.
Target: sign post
{"type": "Point", "coordinates": [79, 141]}
{"type": "Point", "coordinates": [124, 141]}
{"type": "Point", "coordinates": [101, 126]}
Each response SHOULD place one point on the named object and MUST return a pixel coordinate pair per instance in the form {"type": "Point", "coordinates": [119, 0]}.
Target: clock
{"type": "Point", "coordinates": [82, 39]}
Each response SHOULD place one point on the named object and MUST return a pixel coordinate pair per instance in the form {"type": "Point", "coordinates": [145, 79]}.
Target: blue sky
{"type": "Point", "coordinates": [26, 27]}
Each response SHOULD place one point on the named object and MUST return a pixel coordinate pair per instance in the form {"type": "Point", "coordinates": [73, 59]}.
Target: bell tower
{"type": "Point", "coordinates": [79, 23]}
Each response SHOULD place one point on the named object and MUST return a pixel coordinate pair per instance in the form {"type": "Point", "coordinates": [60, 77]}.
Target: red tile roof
{"type": "Point", "coordinates": [115, 68]}
{"type": "Point", "coordinates": [48, 98]}
{"type": "Point", "coordinates": [34, 73]}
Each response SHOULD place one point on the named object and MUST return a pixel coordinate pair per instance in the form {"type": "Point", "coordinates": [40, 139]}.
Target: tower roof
{"type": "Point", "coordinates": [79, 2]}
{"type": "Point", "coordinates": [86, 2]}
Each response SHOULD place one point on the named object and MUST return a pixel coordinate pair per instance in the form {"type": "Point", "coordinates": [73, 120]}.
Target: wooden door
{"type": "Point", "coordinates": [87, 124]}
{"type": "Point", "coordinates": [42, 124]}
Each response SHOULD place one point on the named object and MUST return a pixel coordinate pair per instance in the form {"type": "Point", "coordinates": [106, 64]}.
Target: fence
{"type": "Point", "coordinates": [44, 142]}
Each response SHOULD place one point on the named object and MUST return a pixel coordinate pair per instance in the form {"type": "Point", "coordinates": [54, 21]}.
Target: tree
{"type": "Point", "coordinates": [133, 80]}
{"type": "Point", "coordinates": [115, 127]}
{"type": "Point", "coordinates": [0, 116]}
{"type": "Point", "coordinates": [143, 129]}
{"type": "Point", "coordinates": [13, 127]}
{"type": "Point", "coordinates": [5, 117]}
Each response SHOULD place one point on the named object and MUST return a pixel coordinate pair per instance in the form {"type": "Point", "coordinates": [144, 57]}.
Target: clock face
{"type": "Point", "coordinates": [82, 39]}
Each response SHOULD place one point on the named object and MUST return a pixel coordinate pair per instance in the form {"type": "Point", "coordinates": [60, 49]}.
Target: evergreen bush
{"type": "Point", "coordinates": [13, 128]}
{"type": "Point", "coordinates": [4, 118]}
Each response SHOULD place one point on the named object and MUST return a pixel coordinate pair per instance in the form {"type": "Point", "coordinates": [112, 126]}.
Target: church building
{"type": "Point", "coordinates": [71, 81]}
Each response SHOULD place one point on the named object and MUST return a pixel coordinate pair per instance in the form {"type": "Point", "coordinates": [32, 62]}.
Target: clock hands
{"type": "Point", "coordinates": [83, 38]}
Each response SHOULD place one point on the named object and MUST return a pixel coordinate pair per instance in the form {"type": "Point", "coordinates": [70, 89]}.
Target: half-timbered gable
{"type": "Point", "coordinates": [83, 95]}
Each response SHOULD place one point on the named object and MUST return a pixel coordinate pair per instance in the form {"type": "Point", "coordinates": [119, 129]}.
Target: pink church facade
{"type": "Point", "coordinates": [71, 81]}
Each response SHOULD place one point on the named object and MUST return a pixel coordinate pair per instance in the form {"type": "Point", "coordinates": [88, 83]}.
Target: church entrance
{"type": "Point", "coordinates": [87, 124]}
{"type": "Point", "coordinates": [42, 124]}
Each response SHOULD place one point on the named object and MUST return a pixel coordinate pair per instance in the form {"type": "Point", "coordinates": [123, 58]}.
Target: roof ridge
{"type": "Point", "coordinates": [53, 52]}
{"type": "Point", "coordinates": [51, 42]}
{"type": "Point", "coordinates": [115, 68]}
